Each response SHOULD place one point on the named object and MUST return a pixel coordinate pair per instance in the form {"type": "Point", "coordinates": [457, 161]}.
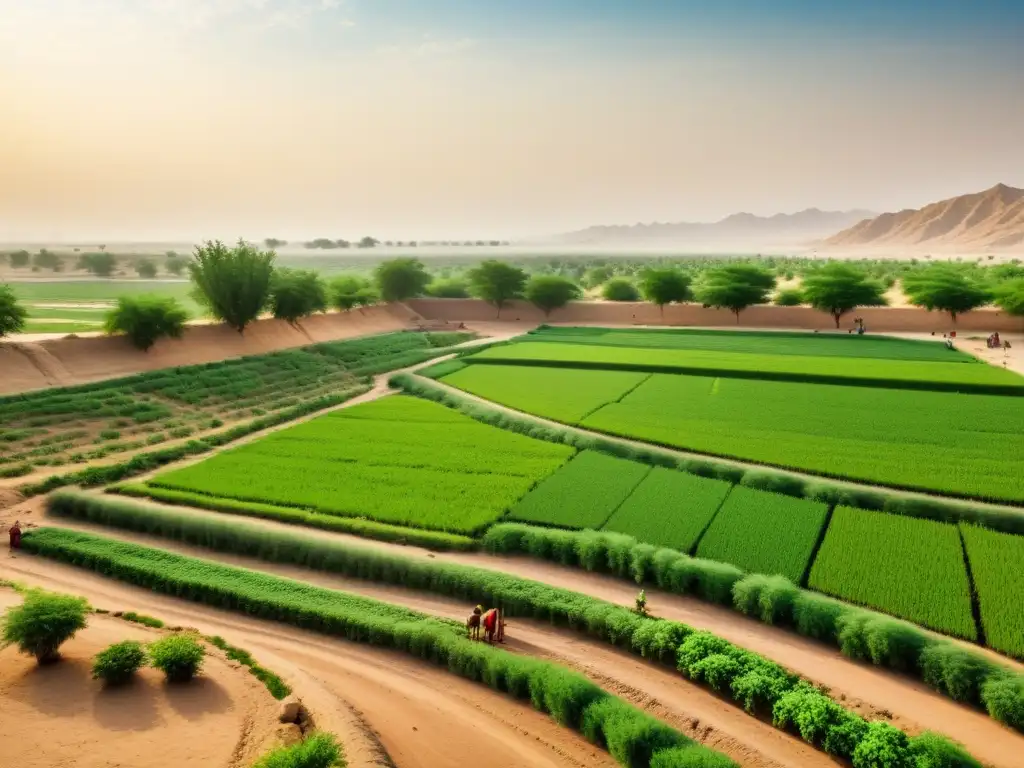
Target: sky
{"type": "Point", "coordinates": [168, 120]}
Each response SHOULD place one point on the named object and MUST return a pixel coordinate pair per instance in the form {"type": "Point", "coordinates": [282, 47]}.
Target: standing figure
{"type": "Point", "coordinates": [15, 534]}
{"type": "Point", "coordinates": [494, 626]}
{"type": "Point", "coordinates": [473, 623]}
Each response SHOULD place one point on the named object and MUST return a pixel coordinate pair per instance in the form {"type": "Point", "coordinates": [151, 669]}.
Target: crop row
{"type": "Point", "coordinates": [856, 371]}
{"type": "Point", "coordinates": [634, 739]}
{"type": "Point", "coordinates": [757, 342]}
{"type": "Point", "coordinates": [752, 681]}
{"type": "Point", "coordinates": [396, 460]}
{"type": "Point", "coordinates": [997, 567]}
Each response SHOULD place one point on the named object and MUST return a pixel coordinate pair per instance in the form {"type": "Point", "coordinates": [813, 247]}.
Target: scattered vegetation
{"type": "Point", "coordinates": [321, 750]}
{"type": "Point", "coordinates": [118, 664]}
{"type": "Point", "coordinates": [179, 656]}
{"type": "Point", "coordinates": [43, 623]}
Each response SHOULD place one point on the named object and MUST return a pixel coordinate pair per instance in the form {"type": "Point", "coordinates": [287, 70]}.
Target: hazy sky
{"type": "Point", "coordinates": [181, 119]}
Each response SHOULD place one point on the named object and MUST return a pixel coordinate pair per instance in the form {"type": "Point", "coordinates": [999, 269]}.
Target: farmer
{"type": "Point", "coordinates": [494, 625]}
{"type": "Point", "coordinates": [641, 603]}
{"type": "Point", "coordinates": [15, 533]}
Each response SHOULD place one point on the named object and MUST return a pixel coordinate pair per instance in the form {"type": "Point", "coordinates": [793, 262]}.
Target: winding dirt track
{"type": "Point", "coordinates": [719, 724]}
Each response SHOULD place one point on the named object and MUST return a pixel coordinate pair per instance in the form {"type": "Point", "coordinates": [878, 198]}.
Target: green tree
{"type": "Point", "coordinates": [272, 243]}
{"type": "Point", "coordinates": [789, 297]}
{"type": "Point", "coordinates": [838, 289]}
{"type": "Point", "coordinates": [367, 297]}
{"type": "Point", "coordinates": [175, 265]}
{"type": "Point", "coordinates": [550, 292]}
{"type": "Point", "coordinates": [620, 289]}
{"type": "Point", "coordinates": [663, 286]}
{"type": "Point", "coordinates": [179, 657]}
{"type": "Point", "coordinates": [1009, 296]}
{"type": "Point", "coordinates": [146, 269]}
{"type": "Point", "coordinates": [47, 260]}
{"type": "Point", "coordinates": [735, 287]}
{"type": "Point", "coordinates": [19, 259]}
{"type": "Point", "coordinates": [297, 293]}
{"type": "Point", "coordinates": [144, 319]}
{"type": "Point", "coordinates": [42, 623]}
{"type": "Point", "coordinates": [945, 289]}
{"type": "Point", "coordinates": [12, 314]}
{"type": "Point", "coordinates": [369, 242]}
{"type": "Point", "coordinates": [496, 282]}
{"type": "Point", "coordinates": [450, 288]}
{"type": "Point", "coordinates": [401, 279]}
{"type": "Point", "coordinates": [233, 283]}
{"type": "Point", "coordinates": [99, 264]}
{"type": "Point", "coordinates": [598, 276]}
{"type": "Point", "coordinates": [344, 291]}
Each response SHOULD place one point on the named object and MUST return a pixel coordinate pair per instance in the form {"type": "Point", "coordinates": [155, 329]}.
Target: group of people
{"type": "Point", "coordinates": [994, 342]}
{"type": "Point", "coordinates": [491, 621]}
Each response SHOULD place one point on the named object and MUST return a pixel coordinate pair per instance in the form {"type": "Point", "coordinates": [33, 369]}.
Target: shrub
{"type": "Point", "coordinates": [817, 616]}
{"type": "Point", "coordinates": [932, 750]}
{"type": "Point", "coordinates": [145, 319]}
{"type": "Point", "coordinates": [789, 297]}
{"type": "Point", "coordinates": [297, 293]}
{"type": "Point", "coordinates": [620, 289]}
{"type": "Point", "coordinates": [883, 746]}
{"type": "Point", "coordinates": [321, 750]}
{"type": "Point", "coordinates": [769, 598]}
{"type": "Point", "coordinates": [955, 671]}
{"type": "Point", "coordinates": [117, 664]}
{"type": "Point", "coordinates": [12, 313]}
{"type": "Point", "coordinates": [42, 623]}
{"type": "Point", "coordinates": [179, 657]}
{"type": "Point", "coordinates": [689, 757]}
{"type": "Point", "coordinates": [894, 644]}
{"type": "Point", "coordinates": [1003, 697]}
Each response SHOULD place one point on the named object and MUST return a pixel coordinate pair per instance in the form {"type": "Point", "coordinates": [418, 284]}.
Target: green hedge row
{"type": "Point", "coordinates": [1007, 520]}
{"type": "Point", "coordinates": [632, 737]}
{"type": "Point", "coordinates": [1011, 390]}
{"type": "Point", "coordinates": [752, 681]}
{"type": "Point", "coordinates": [963, 674]}
{"type": "Point", "coordinates": [368, 529]}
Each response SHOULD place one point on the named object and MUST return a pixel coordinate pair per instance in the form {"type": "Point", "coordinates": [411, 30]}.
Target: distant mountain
{"type": "Point", "coordinates": [739, 229]}
{"type": "Point", "coordinates": [993, 219]}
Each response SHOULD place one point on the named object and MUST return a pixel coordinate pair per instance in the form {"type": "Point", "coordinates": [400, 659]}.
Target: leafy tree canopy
{"type": "Point", "coordinates": [496, 282]}
{"type": "Point", "coordinates": [1010, 296]}
{"type": "Point", "coordinates": [234, 283]}
{"type": "Point", "coordinates": [100, 264]}
{"type": "Point", "coordinates": [146, 269]}
{"type": "Point", "coordinates": [449, 288]}
{"type": "Point", "coordinates": [144, 319]}
{"type": "Point", "coordinates": [735, 287]}
{"type": "Point", "coordinates": [837, 289]}
{"type": "Point", "coordinates": [344, 291]}
{"type": "Point", "coordinates": [401, 279]}
{"type": "Point", "coordinates": [790, 297]}
{"type": "Point", "coordinates": [620, 289]}
{"type": "Point", "coordinates": [549, 292]}
{"type": "Point", "coordinates": [665, 286]}
{"type": "Point", "coordinates": [944, 289]}
{"type": "Point", "coordinates": [297, 293]}
{"type": "Point", "coordinates": [12, 314]}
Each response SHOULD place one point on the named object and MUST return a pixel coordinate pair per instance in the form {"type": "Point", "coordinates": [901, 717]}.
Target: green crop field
{"type": "Point", "coordinates": [969, 445]}
{"type": "Point", "coordinates": [100, 291]}
{"type": "Point", "coordinates": [903, 566]}
{"type": "Point", "coordinates": [895, 373]}
{"type": "Point", "coordinates": [997, 565]}
{"type": "Point", "coordinates": [557, 393]}
{"type": "Point", "coordinates": [583, 493]}
{"type": "Point", "coordinates": [60, 426]}
{"type": "Point", "coordinates": [396, 460]}
{"type": "Point", "coordinates": [758, 342]}
{"type": "Point", "coordinates": [669, 508]}
{"type": "Point", "coordinates": [764, 533]}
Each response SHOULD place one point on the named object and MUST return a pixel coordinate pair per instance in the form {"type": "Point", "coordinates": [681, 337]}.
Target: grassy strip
{"type": "Point", "coordinates": [442, 369]}
{"type": "Point", "coordinates": [757, 684]}
{"type": "Point", "coordinates": [632, 737]}
{"type": "Point", "coordinates": [947, 511]}
{"type": "Point", "coordinates": [962, 674]}
{"type": "Point", "coordinates": [368, 529]}
{"type": "Point", "coordinates": [277, 687]}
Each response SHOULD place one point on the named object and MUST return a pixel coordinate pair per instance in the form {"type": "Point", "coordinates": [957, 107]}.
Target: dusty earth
{"type": "Point", "coordinates": [57, 715]}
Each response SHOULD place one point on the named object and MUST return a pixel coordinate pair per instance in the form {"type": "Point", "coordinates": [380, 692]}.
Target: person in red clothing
{"type": "Point", "coordinates": [15, 534]}
{"type": "Point", "coordinates": [494, 626]}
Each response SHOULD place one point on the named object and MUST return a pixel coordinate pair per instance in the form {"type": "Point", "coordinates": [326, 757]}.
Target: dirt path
{"type": "Point", "coordinates": [870, 691]}
{"type": "Point", "coordinates": [224, 719]}
{"type": "Point", "coordinates": [423, 716]}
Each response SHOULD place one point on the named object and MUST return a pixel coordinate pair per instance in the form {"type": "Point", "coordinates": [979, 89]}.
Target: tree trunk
{"type": "Point", "coordinates": [953, 315]}
{"type": "Point", "coordinates": [837, 315]}
{"type": "Point", "coordinates": [498, 316]}
{"type": "Point", "coordinates": [737, 313]}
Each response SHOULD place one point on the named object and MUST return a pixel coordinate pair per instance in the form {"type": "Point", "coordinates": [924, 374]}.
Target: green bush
{"type": "Point", "coordinates": [179, 657]}
{"type": "Point", "coordinates": [1003, 697]}
{"type": "Point", "coordinates": [145, 319]}
{"type": "Point", "coordinates": [768, 598]}
{"type": "Point", "coordinates": [321, 750]}
{"type": "Point", "coordinates": [117, 664]}
{"type": "Point", "coordinates": [883, 746]}
{"type": "Point", "coordinates": [932, 750]}
{"type": "Point", "coordinates": [42, 623]}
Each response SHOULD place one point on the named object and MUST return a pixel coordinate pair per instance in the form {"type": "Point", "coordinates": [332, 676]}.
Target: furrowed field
{"type": "Point", "coordinates": [906, 567]}
{"type": "Point", "coordinates": [583, 493]}
{"type": "Point", "coordinates": [961, 444]}
{"type": "Point", "coordinates": [55, 427]}
{"type": "Point", "coordinates": [562, 394]}
{"type": "Point", "coordinates": [757, 342]}
{"type": "Point", "coordinates": [669, 508]}
{"type": "Point", "coordinates": [894, 373]}
{"type": "Point", "coordinates": [396, 460]}
{"type": "Point", "coordinates": [997, 565]}
{"type": "Point", "coordinates": [764, 533]}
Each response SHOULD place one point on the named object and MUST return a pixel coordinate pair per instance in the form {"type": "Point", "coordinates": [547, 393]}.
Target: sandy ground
{"type": "Point", "coordinates": [871, 691]}
{"type": "Point", "coordinates": [57, 715]}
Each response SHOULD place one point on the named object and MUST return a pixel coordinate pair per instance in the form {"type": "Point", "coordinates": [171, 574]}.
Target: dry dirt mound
{"type": "Point", "coordinates": [58, 715]}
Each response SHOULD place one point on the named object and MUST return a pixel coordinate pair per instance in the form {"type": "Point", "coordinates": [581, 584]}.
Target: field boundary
{"type": "Point", "coordinates": [830, 490]}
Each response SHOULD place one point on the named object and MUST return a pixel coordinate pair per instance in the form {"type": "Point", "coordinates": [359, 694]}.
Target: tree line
{"type": "Point", "coordinates": [237, 284]}
{"type": "Point", "coordinates": [97, 263]}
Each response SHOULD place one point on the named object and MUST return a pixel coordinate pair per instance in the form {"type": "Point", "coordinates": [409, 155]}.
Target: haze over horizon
{"type": "Point", "coordinates": [172, 120]}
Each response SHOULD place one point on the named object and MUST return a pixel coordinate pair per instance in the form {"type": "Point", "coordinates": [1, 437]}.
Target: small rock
{"type": "Point", "coordinates": [289, 734]}
{"type": "Point", "coordinates": [290, 710]}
